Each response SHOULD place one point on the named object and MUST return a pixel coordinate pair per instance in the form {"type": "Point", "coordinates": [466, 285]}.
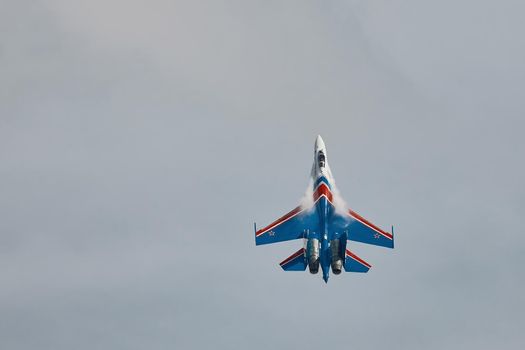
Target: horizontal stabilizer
{"type": "Point", "coordinates": [295, 262]}
{"type": "Point", "coordinates": [353, 263]}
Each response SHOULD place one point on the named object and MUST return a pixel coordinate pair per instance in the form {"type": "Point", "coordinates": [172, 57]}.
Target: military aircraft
{"type": "Point", "coordinates": [326, 225]}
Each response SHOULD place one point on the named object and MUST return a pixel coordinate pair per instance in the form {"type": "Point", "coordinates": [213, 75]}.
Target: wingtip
{"type": "Point", "coordinates": [392, 236]}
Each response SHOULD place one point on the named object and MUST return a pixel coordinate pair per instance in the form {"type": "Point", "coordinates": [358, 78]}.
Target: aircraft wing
{"type": "Point", "coordinates": [361, 230]}
{"type": "Point", "coordinates": [293, 225]}
{"type": "Point", "coordinates": [356, 228]}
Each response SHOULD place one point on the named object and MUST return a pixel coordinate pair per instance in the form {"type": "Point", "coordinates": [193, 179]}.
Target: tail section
{"type": "Point", "coordinates": [353, 263]}
{"type": "Point", "coordinates": [295, 262]}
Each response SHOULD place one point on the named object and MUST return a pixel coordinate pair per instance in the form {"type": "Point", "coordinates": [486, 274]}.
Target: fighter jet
{"type": "Point", "coordinates": [326, 225]}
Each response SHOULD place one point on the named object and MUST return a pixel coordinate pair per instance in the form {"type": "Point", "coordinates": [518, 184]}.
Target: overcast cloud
{"type": "Point", "coordinates": [139, 140]}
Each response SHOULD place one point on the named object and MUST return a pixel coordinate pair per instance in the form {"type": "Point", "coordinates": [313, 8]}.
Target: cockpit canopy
{"type": "Point", "coordinates": [321, 159]}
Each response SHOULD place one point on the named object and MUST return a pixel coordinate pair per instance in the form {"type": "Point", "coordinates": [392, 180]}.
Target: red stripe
{"type": "Point", "coordinates": [368, 223]}
{"type": "Point", "coordinates": [322, 189]}
{"type": "Point", "coordinates": [355, 257]}
{"type": "Point", "coordinates": [280, 220]}
{"type": "Point", "coordinates": [293, 256]}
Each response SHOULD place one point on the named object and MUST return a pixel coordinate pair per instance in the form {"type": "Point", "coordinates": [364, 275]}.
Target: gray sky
{"type": "Point", "coordinates": [139, 140]}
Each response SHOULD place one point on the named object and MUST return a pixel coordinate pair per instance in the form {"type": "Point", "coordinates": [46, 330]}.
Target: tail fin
{"type": "Point", "coordinates": [353, 263]}
{"type": "Point", "coordinates": [295, 262]}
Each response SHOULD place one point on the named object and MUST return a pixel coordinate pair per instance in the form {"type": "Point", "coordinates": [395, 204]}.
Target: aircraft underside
{"type": "Point", "coordinates": [325, 227]}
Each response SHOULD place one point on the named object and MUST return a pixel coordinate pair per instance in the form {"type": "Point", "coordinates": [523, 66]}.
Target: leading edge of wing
{"type": "Point", "coordinates": [280, 221]}
{"type": "Point", "coordinates": [367, 232]}
{"type": "Point", "coordinates": [290, 226]}
{"type": "Point", "coordinates": [364, 221]}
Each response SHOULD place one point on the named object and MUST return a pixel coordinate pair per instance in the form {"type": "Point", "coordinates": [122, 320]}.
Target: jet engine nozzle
{"type": "Point", "coordinates": [312, 251]}
{"type": "Point", "coordinates": [337, 260]}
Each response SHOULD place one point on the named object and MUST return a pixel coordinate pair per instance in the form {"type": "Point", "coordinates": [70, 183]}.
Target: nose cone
{"type": "Point", "coordinates": [319, 143]}
{"type": "Point", "coordinates": [325, 277]}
